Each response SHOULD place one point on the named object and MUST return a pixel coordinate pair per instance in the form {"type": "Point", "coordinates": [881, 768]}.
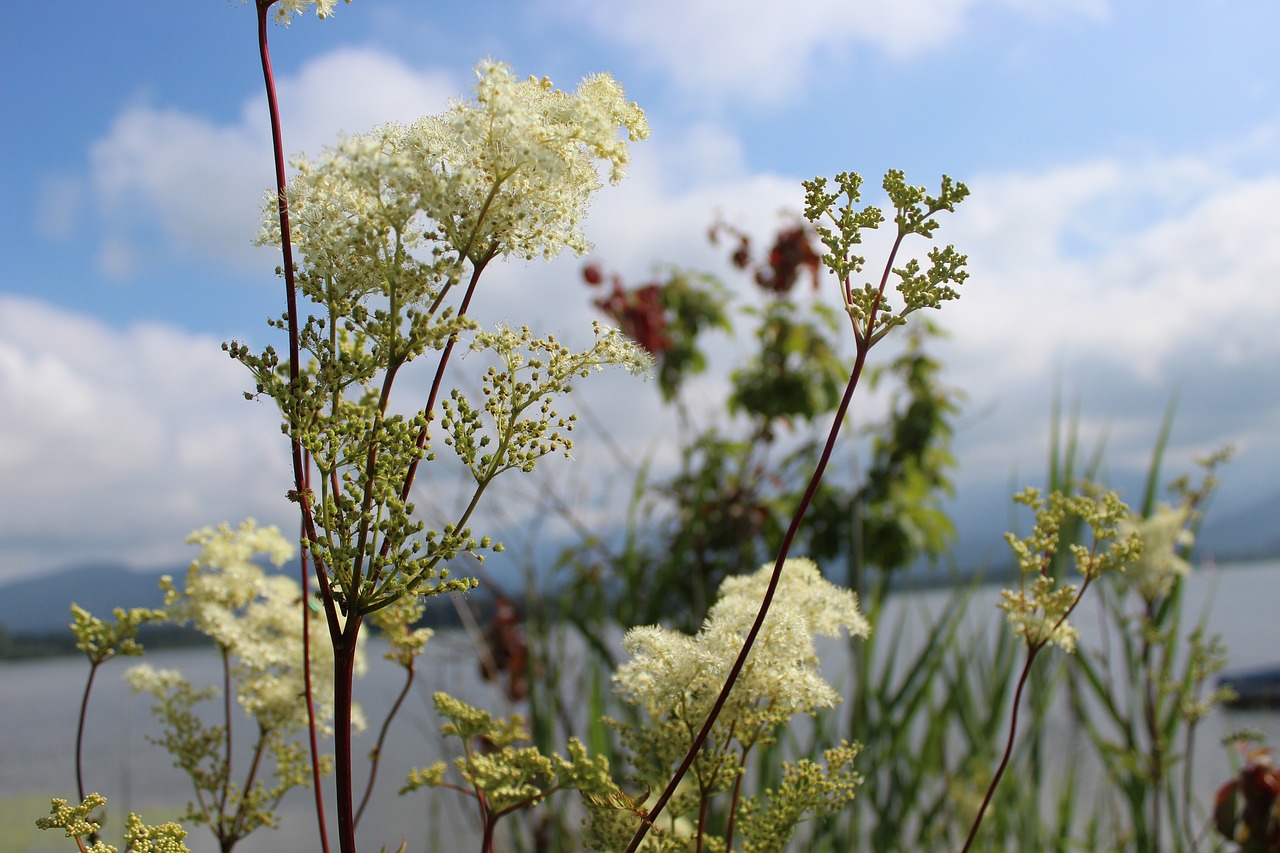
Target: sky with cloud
{"type": "Point", "coordinates": [1124, 160]}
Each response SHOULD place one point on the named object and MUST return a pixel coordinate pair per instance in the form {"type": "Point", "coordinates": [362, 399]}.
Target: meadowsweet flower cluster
{"type": "Point", "coordinates": [1038, 609]}
{"type": "Point", "coordinates": [675, 678]}
{"type": "Point", "coordinates": [501, 776]}
{"type": "Point", "coordinates": [386, 224]}
{"type": "Point", "coordinates": [139, 837]}
{"type": "Point", "coordinates": [1165, 537]}
{"type": "Point", "coordinates": [915, 211]}
{"type": "Point", "coordinates": [101, 640]}
{"type": "Point", "coordinates": [673, 675]}
{"type": "Point", "coordinates": [253, 617]}
{"type": "Point", "coordinates": [508, 174]}
{"type": "Point", "coordinates": [395, 622]}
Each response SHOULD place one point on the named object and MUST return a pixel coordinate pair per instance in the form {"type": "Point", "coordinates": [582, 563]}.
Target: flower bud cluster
{"type": "Point", "coordinates": [518, 425]}
{"type": "Point", "coordinates": [867, 304]}
{"type": "Point", "coordinates": [1037, 611]}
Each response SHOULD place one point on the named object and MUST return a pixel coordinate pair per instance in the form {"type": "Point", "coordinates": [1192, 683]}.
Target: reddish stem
{"type": "Point", "coordinates": [344, 659]}
{"type": "Point", "coordinates": [313, 740]}
{"type": "Point", "coordinates": [1008, 748]}
{"type": "Point", "coordinates": [84, 708]}
{"type": "Point", "coordinates": [1032, 651]}
{"type": "Point", "coordinates": [226, 717]}
{"type": "Point", "coordinates": [863, 343]}
{"type": "Point", "coordinates": [300, 466]}
{"type": "Point", "coordinates": [436, 382]}
{"type": "Point", "coordinates": [382, 738]}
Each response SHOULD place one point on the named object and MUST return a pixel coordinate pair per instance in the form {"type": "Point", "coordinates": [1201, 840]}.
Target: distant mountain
{"type": "Point", "coordinates": [40, 605]}
{"type": "Point", "coordinates": [43, 603]}
{"type": "Point", "coordinates": [1247, 533]}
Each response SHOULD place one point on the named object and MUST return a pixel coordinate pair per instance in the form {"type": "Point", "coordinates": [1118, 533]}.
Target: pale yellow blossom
{"type": "Point", "coordinates": [1164, 534]}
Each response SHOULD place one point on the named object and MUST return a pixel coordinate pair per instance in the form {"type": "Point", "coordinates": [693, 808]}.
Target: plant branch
{"type": "Point", "coordinates": [84, 707]}
{"type": "Point", "coordinates": [863, 343]}
{"type": "Point", "coordinates": [756, 626]}
{"type": "Point", "coordinates": [226, 716]}
{"type": "Point", "coordinates": [1008, 748]}
{"type": "Point", "coordinates": [382, 738]}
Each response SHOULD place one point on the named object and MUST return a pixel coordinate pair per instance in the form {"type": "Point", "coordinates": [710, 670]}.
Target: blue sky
{"type": "Point", "coordinates": [1124, 160]}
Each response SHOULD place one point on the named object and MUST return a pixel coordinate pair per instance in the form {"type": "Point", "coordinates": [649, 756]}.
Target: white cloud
{"type": "Point", "coordinates": [760, 51]}
{"type": "Point", "coordinates": [1137, 264]}
{"type": "Point", "coordinates": [199, 184]}
{"type": "Point", "coordinates": [1132, 279]}
{"type": "Point", "coordinates": [1129, 282]}
{"type": "Point", "coordinates": [117, 443]}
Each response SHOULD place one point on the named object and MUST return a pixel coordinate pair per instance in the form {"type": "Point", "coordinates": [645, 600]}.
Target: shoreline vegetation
{"type": "Point", "coordinates": [57, 642]}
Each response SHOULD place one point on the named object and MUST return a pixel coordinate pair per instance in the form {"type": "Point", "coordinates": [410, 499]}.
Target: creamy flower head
{"type": "Point", "coordinates": [510, 172]}
{"type": "Point", "coordinates": [1164, 533]}
{"type": "Point", "coordinates": [287, 10]}
{"type": "Point", "coordinates": [254, 617]}
{"type": "Point", "coordinates": [826, 608]}
{"type": "Point", "coordinates": [673, 674]}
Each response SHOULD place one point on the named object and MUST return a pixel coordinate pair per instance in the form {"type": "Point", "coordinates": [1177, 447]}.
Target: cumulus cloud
{"type": "Point", "coordinates": [118, 442]}
{"type": "Point", "coordinates": [1130, 279]}
{"type": "Point", "coordinates": [1142, 265]}
{"type": "Point", "coordinates": [1123, 284]}
{"type": "Point", "coordinates": [167, 177]}
{"type": "Point", "coordinates": [760, 52]}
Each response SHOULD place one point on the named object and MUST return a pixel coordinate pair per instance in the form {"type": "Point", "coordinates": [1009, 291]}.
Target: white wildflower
{"type": "Point", "coordinates": [1163, 534]}
{"type": "Point", "coordinates": [255, 618]}
{"type": "Point", "coordinates": [828, 609]}
{"type": "Point", "coordinates": [673, 674]}
{"type": "Point", "coordinates": [144, 678]}
{"type": "Point", "coordinates": [509, 173]}
{"type": "Point", "coordinates": [287, 10]}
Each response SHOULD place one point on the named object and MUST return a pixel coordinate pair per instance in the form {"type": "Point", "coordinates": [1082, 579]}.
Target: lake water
{"type": "Point", "coordinates": [39, 702]}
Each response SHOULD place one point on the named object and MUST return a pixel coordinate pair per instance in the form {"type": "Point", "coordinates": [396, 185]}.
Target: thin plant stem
{"type": "Point", "coordinates": [382, 738]}
{"type": "Point", "coordinates": [702, 821]}
{"type": "Point", "coordinates": [733, 805]}
{"type": "Point", "coordinates": [864, 339]}
{"type": "Point", "coordinates": [313, 740]}
{"type": "Point", "coordinates": [299, 462]}
{"type": "Point", "coordinates": [1008, 748]}
{"type": "Point", "coordinates": [1032, 651]}
{"type": "Point", "coordinates": [300, 492]}
{"type": "Point", "coordinates": [1188, 830]}
{"type": "Point", "coordinates": [774, 579]}
{"type": "Point", "coordinates": [412, 471]}
{"type": "Point", "coordinates": [237, 826]}
{"type": "Point", "coordinates": [84, 708]}
{"type": "Point", "coordinates": [1151, 712]}
{"type": "Point", "coordinates": [286, 244]}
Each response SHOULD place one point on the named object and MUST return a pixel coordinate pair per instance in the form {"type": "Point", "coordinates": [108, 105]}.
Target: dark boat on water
{"type": "Point", "coordinates": [1254, 688]}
